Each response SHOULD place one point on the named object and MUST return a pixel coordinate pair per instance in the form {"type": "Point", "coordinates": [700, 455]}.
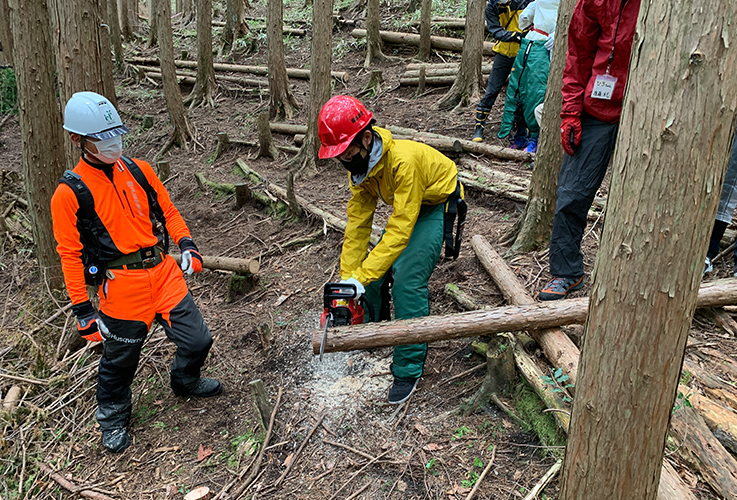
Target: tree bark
{"type": "Point", "coordinates": [282, 103]}
{"type": "Point", "coordinates": [469, 81]}
{"type": "Point", "coordinates": [40, 124]}
{"type": "Point", "coordinates": [182, 133]}
{"type": "Point", "coordinates": [437, 42]}
{"type": "Point", "coordinates": [114, 22]}
{"type": "Point", "coordinates": [6, 34]}
{"type": "Point", "coordinates": [204, 89]}
{"type": "Point", "coordinates": [83, 57]}
{"type": "Point", "coordinates": [663, 197]}
{"type": "Point", "coordinates": [536, 316]}
{"type": "Point", "coordinates": [373, 38]}
{"type": "Point", "coordinates": [425, 24]}
{"type": "Point", "coordinates": [240, 266]}
{"type": "Point", "coordinates": [153, 26]}
{"type": "Point", "coordinates": [125, 20]}
{"type": "Point", "coordinates": [320, 62]}
{"type": "Point", "coordinates": [532, 229]}
{"type": "Point", "coordinates": [235, 25]}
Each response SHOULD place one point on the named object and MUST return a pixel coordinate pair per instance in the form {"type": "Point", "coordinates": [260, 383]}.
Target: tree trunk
{"type": "Point", "coordinates": [182, 131]}
{"type": "Point", "coordinates": [187, 10]}
{"type": "Point", "coordinates": [83, 57]}
{"type": "Point", "coordinates": [469, 80]}
{"type": "Point", "coordinates": [235, 25]}
{"type": "Point", "coordinates": [668, 167]}
{"type": "Point", "coordinates": [282, 103]}
{"type": "Point", "coordinates": [204, 88]}
{"type": "Point", "coordinates": [6, 34]}
{"type": "Point", "coordinates": [320, 61]}
{"type": "Point", "coordinates": [532, 229]}
{"type": "Point", "coordinates": [133, 6]}
{"type": "Point", "coordinates": [114, 22]}
{"type": "Point", "coordinates": [125, 20]}
{"type": "Point", "coordinates": [153, 26]}
{"type": "Point", "coordinates": [373, 38]}
{"type": "Point", "coordinates": [40, 124]}
{"type": "Point", "coordinates": [425, 23]}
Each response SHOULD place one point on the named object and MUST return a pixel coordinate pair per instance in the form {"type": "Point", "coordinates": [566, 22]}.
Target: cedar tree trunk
{"type": "Point", "coordinates": [153, 27]}
{"type": "Point", "coordinates": [125, 20]}
{"type": "Point", "coordinates": [204, 87]}
{"type": "Point", "coordinates": [40, 124]}
{"type": "Point", "coordinates": [373, 38]}
{"type": "Point", "coordinates": [532, 229]}
{"type": "Point", "coordinates": [6, 35]}
{"type": "Point", "coordinates": [235, 25]}
{"type": "Point", "coordinates": [114, 22]}
{"type": "Point", "coordinates": [469, 80]}
{"type": "Point", "coordinates": [282, 104]}
{"type": "Point", "coordinates": [425, 23]}
{"type": "Point", "coordinates": [320, 60]}
{"type": "Point", "coordinates": [674, 139]}
{"type": "Point", "coordinates": [182, 131]}
{"type": "Point", "coordinates": [83, 57]}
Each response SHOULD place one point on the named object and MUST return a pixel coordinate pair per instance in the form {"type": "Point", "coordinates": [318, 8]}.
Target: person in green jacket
{"type": "Point", "coordinates": [418, 182]}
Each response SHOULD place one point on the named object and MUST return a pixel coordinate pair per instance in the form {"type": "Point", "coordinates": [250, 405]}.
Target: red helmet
{"type": "Point", "coordinates": [340, 120]}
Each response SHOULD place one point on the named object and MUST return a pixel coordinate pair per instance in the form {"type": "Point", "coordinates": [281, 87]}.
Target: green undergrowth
{"type": "Point", "coordinates": [530, 409]}
{"type": "Point", "coordinates": [8, 91]}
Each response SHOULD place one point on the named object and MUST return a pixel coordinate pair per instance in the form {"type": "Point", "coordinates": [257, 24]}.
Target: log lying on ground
{"type": "Point", "coordinates": [232, 264]}
{"type": "Point", "coordinates": [263, 85]}
{"type": "Point", "coordinates": [722, 421]}
{"type": "Point", "coordinates": [558, 348]}
{"type": "Point", "coordinates": [303, 74]}
{"type": "Point", "coordinates": [286, 29]}
{"type": "Point", "coordinates": [698, 446]}
{"type": "Point", "coordinates": [436, 42]}
{"type": "Point", "coordinates": [455, 23]}
{"type": "Point", "coordinates": [437, 141]}
{"type": "Point", "coordinates": [536, 316]}
{"type": "Point", "coordinates": [432, 80]}
{"type": "Point", "coordinates": [440, 70]}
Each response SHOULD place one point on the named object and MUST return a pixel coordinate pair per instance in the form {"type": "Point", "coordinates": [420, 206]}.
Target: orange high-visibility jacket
{"type": "Point", "coordinates": [122, 206]}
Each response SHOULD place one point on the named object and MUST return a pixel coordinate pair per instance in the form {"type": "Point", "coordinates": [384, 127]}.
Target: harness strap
{"type": "Point", "coordinates": [455, 207]}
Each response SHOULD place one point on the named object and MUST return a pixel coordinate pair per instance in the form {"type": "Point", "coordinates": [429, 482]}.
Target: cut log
{"type": "Point", "coordinates": [303, 74]}
{"type": "Point", "coordinates": [558, 348]}
{"type": "Point", "coordinates": [453, 23]}
{"type": "Point", "coordinates": [262, 406]}
{"type": "Point", "coordinates": [671, 487]}
{"type": "Point", "coordinates": [440, 70]}
{"type": "Point", "coordinates": [472, 182]}
{"type": "Point", "coordinates": [536, 316]}
{"type": "Point", "coordinates": [11, 398]}
{"type": "Point", "coordinates": [722, 421]}
{"type": "Point", "coordinates": [232, 264]}
{"type": "Point", "coordinates": [433, 80]}
{"type": "Point", "coordinates": [698, 446]}
{"type": "Point", "coordinates": [200, 493]}
{"type": "Point", "coordinates": [437, 42]}
{"type": "Point", "coordinates": [286, 29]}
{"type": "Point", "coordinates": [190, 80]}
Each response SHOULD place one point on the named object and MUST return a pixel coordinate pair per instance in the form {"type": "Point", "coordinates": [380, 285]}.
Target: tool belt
{"type": "Point", "coordinates": [455, 207]}
{"type": "Point", "coordinates": [145, 258]}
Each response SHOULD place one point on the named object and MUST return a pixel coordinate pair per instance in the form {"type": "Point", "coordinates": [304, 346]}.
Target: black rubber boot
{"type": "Point", "coordinates": [478, 133]}
{"type": "Point", "coordinates": [116, 440]}
{"type": "Point", "coordinates": [204, 388]}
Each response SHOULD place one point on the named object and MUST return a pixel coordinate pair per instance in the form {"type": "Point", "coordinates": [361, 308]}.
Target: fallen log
{"type": "Point", "coordinates": [443, 70]}
{"type": "Point", "coordinates": [285, 30]}
{"type": "Point", "coordinates": [721, 420]}
{"type": "Point", "coordinates": [536, 316]}
{"type": "Point", "coordinates": [299, 73]}
{"type": "Point", "coordinates": [248, 82]}
{"type": "Point", "coordinates": [232, 264]}
{"type": "Point", "coordinates": [558, 348]}
{"type": "Point", "coordinates": [436, 42]}
{"type": "Point", "coordinates": [455, 23]}
{"type": "Point", "coordinates": [698, 446]}
{"type": "Point", "coordinates": [432, 80]}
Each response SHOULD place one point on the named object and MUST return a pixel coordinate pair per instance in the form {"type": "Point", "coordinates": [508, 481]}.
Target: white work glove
{"type": "Point", "coordinates": [191, 258]}
{"type": "Point", "coordinates": [549, 42]}
{"type": "Point", "coordinates": [360, 290]}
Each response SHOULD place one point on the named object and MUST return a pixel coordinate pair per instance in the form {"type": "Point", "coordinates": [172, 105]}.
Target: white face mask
{"type": "Point", "coordinates": [109, 150]}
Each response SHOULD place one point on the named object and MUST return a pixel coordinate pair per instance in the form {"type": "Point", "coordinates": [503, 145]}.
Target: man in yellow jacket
{"type": "Point", "coordinates": [418, 182]}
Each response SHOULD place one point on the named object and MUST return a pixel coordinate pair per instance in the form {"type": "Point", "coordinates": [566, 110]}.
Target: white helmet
{"type": "Point", "coordinates": [91, 115]}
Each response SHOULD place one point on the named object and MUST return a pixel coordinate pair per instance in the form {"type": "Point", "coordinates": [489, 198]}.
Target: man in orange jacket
{"type": "Point", "coordinates": [107, 215]}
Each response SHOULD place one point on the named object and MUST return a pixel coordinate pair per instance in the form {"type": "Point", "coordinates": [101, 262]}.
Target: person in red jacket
{"type": "Point", "coordinates": [107, 214]}
{"type": "Point", "coordinates": [595, 76]}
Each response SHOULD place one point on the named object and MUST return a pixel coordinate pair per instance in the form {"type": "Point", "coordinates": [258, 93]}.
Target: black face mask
{"type": "Point", "coordinates": [358, 165]}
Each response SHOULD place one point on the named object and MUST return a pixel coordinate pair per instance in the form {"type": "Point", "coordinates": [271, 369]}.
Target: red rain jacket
{"type": "Point", "coordinates": [590, 39]}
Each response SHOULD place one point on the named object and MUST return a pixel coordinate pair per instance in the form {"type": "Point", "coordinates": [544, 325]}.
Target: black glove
{"type": "Point", "coordinates": [517, 38]}
{"type": "Point", "coordinates": [89, 324]}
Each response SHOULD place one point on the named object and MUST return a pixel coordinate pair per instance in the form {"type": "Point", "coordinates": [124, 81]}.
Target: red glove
{"type": "Point", "coordinates": [570, 134]}
{"type": "Point", "coordinates": [191, 258]}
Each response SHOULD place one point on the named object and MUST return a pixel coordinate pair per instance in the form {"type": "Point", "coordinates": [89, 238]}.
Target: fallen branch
{"type": "Point", "coordinates": [436, 42]}
{"type": "Point", "coordinates": [299, 451]}
{"type": "Point", "coordinates": [232, 264]}
{"type": "Point", "coordinates": [540, 486]}
{"type": "Point", "coordinates": [483, 475]}
{"type": "Point", "coordinates": [353, 476]}
{"type": "Point", "coordinates": [69, 486]}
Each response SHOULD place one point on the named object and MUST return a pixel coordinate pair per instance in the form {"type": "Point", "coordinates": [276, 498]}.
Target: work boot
{"type": "Point", "coordinates": [116, 440]}
{"type": "Point", "coordinates": [531, 145]}
{"type": "Point", "coordinates": [401, 390]}
{"type": "Point", "coordinates": [205, 388]}
{"type": "Point", "coordinates": [478, 132]}
{"type": "Point", "coordinates": [558, 288]}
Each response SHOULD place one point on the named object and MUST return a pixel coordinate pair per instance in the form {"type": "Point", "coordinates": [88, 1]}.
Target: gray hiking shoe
{"type": "Point", "coordinates": [401, 390]}
{"type": "Point", "coordinates": [116, 440]}
{"type": "Point", "coordinates": [558, 288]}
{"type": "Point", "coordinates": [708, 267]}
{"type": "Point", "coordinates": [206, 388]}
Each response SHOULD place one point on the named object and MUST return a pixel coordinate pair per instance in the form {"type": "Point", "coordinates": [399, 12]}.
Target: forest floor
{"type": "Point", "coordinates": [361, 447]}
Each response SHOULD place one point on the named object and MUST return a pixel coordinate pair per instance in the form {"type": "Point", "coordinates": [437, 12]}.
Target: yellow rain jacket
{"type": "Point", "coordinates": [408, 175]}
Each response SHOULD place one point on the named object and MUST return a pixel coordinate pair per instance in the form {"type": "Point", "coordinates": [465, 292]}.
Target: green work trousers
{"type": "Point", "coordinates": [411, 271]}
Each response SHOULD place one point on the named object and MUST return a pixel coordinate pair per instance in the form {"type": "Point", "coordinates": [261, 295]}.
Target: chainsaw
{"type": "Point", "coordinates": [342, 309]}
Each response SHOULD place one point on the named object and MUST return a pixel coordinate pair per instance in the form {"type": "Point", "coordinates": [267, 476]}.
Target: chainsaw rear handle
{"type": "Point", "coordinates": [366, 303]}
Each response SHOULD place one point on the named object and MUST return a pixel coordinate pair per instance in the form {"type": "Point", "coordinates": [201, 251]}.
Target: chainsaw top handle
{"type": "Point", "coordinates": [345, 291]}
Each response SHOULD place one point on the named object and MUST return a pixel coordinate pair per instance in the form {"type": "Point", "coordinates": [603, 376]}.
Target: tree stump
{"type": "Point", "coordinates": [500, 373]}
{"type": "Point", "coordinates": [265, 140]}
{"type": "Point", "coordinates": [373, 86]}
{"type": "Point", "coordinates": [223, 144]}
{"type": "Point", "coordinates": [265, 335]}
{"type": "Point", "coordinates": [421, 82]}
{"type": "Point", "coordinates": [261, 404]}
{"type": "Point", "coordinates": [242, 195]}
{"type": "Point", "coordinates": [163, 170]}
